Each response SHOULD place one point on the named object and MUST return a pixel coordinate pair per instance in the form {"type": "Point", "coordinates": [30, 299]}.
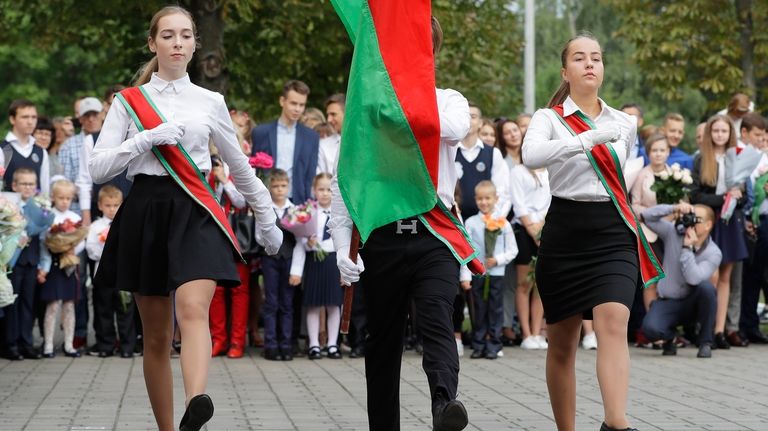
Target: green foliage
{"type": "Point", "coordinates": [694, 44]}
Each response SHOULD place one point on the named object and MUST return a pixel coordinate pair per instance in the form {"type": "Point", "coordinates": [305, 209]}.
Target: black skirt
{"type": "Point", "coordinates": [322, 284]}
{"type": "Point", "coordinates": [60, 286]}
{"type": "Point", "coordinates": [526, 246]}
{"type": "Point", "coordinates": [160, 239]}
{"type": "Point", "coordinates": [587, 257]}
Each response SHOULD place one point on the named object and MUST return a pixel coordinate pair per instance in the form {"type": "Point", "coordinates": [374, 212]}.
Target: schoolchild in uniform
{"type": "Point", "coordinates": [590, 258]}
{"type": "Point", "coordinates": [169, 234]}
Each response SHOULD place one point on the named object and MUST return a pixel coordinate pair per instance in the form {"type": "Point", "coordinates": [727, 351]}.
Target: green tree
{"type": "Point", "coordinates": [713, 46]}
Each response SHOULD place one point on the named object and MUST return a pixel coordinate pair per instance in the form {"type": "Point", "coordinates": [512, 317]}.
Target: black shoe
{"type": "Point", "coordinates": [314, 353]}
{"type": "Point", "coordinates": [477, 354]}
{"type": "Point", "coordinates": [334, 352]}
{"type": "Point", "coordinates": [286, 355]}
{"type": "Point", "coordinates": [757, 337]}
{"type": "Point", "coordinates": [30, 353]}
{"type": "Point", "coordinates": [199, 411]}
{"type": "Point", "coordinates": [49, 355]}
{"type": "Point", "coordinates": [176, 346]}
{"type": "Point", "coordinates": [491, 355]}
{"type": "Point", "coordinates": [705, 351]}
{"type": "Point", "coordinates": [357, 352]}
{"type": "Point", "coordinates": [669, 348]}
{"type": "Point", "coordinates": [12, 355]}
{"type": "Point", "coordinates": [605, 427]}
{"type": "Point", "coordinates": [272, 355]}
{"type": "Point", "coordinates": [72, 354]}
{"type": "Point", "coordinates": [450, 416]}
{"type": "Point", "coordinates": [126, 355]}
{"type": "Point", "coordinates": [721, 342]}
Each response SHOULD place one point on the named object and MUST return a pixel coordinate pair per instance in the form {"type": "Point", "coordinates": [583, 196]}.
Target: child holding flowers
{"type": "Point", "coordinates": [494, 240]}
{"type": "Point", "coordinates": [322, 288]}
{"type": "Point", "coordinates": [57, 271]}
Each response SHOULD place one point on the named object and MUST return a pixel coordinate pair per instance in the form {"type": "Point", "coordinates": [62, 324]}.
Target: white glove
{"type": "Point", "coordinates": [590, 138]}
{"type": "Point", "coordinates": [350, 271]}
{"type": "Point", "coordinates": [164, 134]}
{"type": "Point", "coordinates": [271, 237]}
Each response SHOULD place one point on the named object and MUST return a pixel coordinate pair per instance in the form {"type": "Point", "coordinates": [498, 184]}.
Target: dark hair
{"type": "Point", "coordinates": [474, 105]}
{"type": "Point", "coordinates": [565, 89]}
{"type": "Point", "coordinates": [749, 121]}
{"type": "Point", "coordinates": [145, 72]}
{"type": "Point", "coordinates": [632, 105]}
{"type": "Point", "coordinates": [339, 98]}
{"type": "Point", "coordinates": [112, 90]}
{"type": "Point", "coordinates": [500, 144]}
{"type": "Point", "coordinates": [324, 130]}
{"type": "Point", "coordinates": [297, 86]}
{"type": "Point", "coordinates": [654, 138]}
{"type": "Point", "coordinates": [43, 123]}
{"type": "Point", "coordinates": [19, 103]}
{"type": "Point", "coordinates": [437, 36]}
{"type": "Point", "coordinates": [707, 149]}
{"type": "Point", "coordinates": [278, 175]}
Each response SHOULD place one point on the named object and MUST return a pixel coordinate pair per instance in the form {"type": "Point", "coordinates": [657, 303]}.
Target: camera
{"type": "Point", "coordinates": [685, 221]}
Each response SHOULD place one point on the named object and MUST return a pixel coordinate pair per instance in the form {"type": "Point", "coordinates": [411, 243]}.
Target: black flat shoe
{"type": "Point", "coordinates": [72, 354]}
{"type": "Point", "coordinates": [314, 353]}
{"type": "Point", "coordinates": [334, 352]}
{"type": "Point", "coordinates": [272, 355]}
{"type": "Point", "coordinates": [605, 427]}
{"type": "Point", "coordinates": [721, 342]}
{"type": "Point", "coordinates": [49, 355]}
{"type": "Point", "coordinates": [477, 354]}
{"type": "Point", "coordinates": [199, 411]}
{"type": "Point", "coordinates": [450, 416]}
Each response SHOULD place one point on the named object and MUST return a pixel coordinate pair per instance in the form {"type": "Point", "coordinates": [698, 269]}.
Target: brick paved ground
{"type": "Point", "coordinates": [728, 392]}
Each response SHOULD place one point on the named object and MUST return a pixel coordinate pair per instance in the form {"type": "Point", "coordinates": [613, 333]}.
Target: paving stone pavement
{"type": "Point", "coordinates": [726, 393]}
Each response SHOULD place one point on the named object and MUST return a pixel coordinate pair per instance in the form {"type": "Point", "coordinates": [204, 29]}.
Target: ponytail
{"type": "Point", "coordinates": [560, 95]}
{"type": "Point", "coordinates": [144, 74]}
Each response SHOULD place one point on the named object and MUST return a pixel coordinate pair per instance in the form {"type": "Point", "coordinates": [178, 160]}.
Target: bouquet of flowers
{"type": "Point", "coordinates": [672, 184]}
{"type": "Point", "coordinates": [12, 225]}
{"type": "Point", "coordinates": [103, 235]}
{"type": "Point", "coordinates": [493, 228]}
{"type": "Point", "coordinates": [739, 165]}
{"type": "Point", "coordinates": [38, 213]}
{"type": "Point", "coordinates": [62, 239]}
{"type": "Point", "coordinates": [300, 220]}
{"type": "Point", "coordinates": [760, 194]}
{"type": "Point", "coordinates": [261, 161]}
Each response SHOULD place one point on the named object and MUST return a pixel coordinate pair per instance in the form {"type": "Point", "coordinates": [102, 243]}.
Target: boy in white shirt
{"type": "Point", "coordinates": [488, 290]}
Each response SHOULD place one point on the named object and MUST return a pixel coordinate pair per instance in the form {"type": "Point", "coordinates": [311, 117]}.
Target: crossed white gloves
{"type": "Point", "coordinates": [590, 138]}
{"type": "Point", "coordinates": [270, 236]}
{"type": "Point", "coordinates": [165, 134]}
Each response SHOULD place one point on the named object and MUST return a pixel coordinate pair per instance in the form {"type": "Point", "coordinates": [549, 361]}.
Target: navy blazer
{"type": "Point", "coordinates": [264, 138]}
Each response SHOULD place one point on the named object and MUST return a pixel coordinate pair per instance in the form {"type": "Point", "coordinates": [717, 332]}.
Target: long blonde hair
{"type": "Point", "coordinates": [144, 74]}
{"type": "Point", "coordinates": [565, 88]}
{"type": "Point", "coordinates": [708, 173]}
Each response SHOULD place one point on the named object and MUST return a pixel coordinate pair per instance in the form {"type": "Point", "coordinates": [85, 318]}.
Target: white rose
{"type": "Point", "coordinates": [687, 180]}
{"type": "Point", "coordinates": [664, 175]}
{"type": "Point", "coordinates": [675, 167]}
{"type": "Point", "coordinates": [677, 175]}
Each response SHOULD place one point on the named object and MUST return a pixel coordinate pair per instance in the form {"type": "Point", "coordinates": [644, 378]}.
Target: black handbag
{"type": "Point", "coordinates": [244, 226]}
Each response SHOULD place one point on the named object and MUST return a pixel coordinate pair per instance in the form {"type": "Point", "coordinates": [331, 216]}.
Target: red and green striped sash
{"type": "Point", "coordinates": [606, 164]}
{"type": "Point", "coordinates": [448, 229]}
{"type": "Point", "coordinates": [176, 160]}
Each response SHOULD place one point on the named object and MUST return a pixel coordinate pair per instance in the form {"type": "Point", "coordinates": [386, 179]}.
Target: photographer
{"type": "Point", "coordinates": [686, 295]}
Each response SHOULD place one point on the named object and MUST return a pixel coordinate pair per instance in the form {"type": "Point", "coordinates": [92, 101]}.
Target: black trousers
{"type": "Point", "coordinates": [20, 316]}
{"type": "Point", "coordinates": [412, 264]}
{"type": "Point", "coordinates": [108, 307]}
{"type": "Point", "coordinates": [754, 280]}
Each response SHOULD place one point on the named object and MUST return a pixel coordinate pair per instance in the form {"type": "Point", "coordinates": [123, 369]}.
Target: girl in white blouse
{"type": "Point", "coordinates": [161, 240]}
{"type": "Point", "coordinates": [588, 262]}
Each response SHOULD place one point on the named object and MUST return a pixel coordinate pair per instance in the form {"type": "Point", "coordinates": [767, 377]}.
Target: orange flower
{"type": "Point", "coordinates": [493, 224]}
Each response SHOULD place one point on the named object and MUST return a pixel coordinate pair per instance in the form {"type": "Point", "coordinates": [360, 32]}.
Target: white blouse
{"type": "Point", "coordinates": [205, 117]}
{"type": "Point", "coordinates": [548, 143]}
{"type": "Point", "coordinates": [529, 197]}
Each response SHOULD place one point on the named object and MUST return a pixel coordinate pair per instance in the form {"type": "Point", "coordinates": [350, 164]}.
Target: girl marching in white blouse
{"type": "Point", "coordinates": [588, 261]}
{"type": "Point", "coordinates": [162, 239]}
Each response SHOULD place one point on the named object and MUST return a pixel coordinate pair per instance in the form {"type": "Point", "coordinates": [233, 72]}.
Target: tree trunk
{"type": "Point", "coordinates": [744, 15]}
{"type": "Point", "coordinates": [209, 69]}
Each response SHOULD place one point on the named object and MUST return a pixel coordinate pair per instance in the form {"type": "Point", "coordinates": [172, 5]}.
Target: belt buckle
{"type": "Point", "coordinates": [407, 225]}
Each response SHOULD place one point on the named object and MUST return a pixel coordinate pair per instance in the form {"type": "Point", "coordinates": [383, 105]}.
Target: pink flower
{"type": "Point", "coordinates": [261, 160]}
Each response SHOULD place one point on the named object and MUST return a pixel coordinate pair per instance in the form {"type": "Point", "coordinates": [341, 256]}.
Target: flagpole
{"type": "Point", "coordinates": [349, 291]}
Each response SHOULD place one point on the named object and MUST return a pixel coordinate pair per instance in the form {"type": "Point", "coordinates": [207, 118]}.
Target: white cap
{"type": "Point", "coordinates": [89, 104]}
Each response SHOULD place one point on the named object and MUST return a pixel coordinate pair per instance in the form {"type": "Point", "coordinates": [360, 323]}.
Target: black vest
{"type": "Point", "coordinates": [121, 182]}
{"type": "Point", "coordinates": [33, 162]}
{"type": "Point", "coordinates": [473, 172]}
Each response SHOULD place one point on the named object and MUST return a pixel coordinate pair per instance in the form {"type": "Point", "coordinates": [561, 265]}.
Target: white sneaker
{"type": "Point", "coordinates": [589, 342]}
{"type": "Point", "coordinates": [460, 348]}
{"type": "Point", "coordinates": [530, 343]}
{"type": "Point", "coordinates": [500, 354]}
{"type": "Point", "coordinates": [543, 345]}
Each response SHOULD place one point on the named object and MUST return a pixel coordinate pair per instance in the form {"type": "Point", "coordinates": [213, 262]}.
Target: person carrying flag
{"type": "Point", "coordinates": [395, 184]}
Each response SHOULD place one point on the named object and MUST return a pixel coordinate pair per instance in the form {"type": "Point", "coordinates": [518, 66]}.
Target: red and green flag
{"type": "Point", "coordinates": [389, 157]}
